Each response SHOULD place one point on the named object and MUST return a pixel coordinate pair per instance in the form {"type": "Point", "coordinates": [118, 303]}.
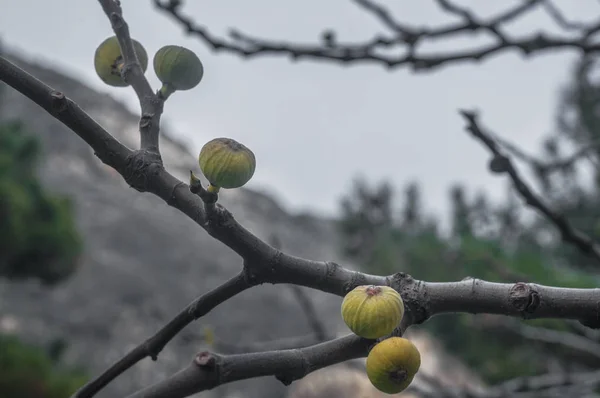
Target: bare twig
{"type": "Point", "coordinates": [404, 38]}
{"type": "Point", "coordinates": [560, 19]}
{"type": "Point", "coordinates": [501, 163]}
{"type": "Point", "coordinates": [547, 167]}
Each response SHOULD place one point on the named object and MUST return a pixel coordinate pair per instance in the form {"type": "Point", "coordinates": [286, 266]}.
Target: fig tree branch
{"type": "Point", "coordinates": [399, 45]}
{"type": "Point", "coordinates": [502, 163]}
{"type": "Point", "coordinates": [264, 264]}
{"type": "Point", "coordinates": [209, 370]}
{"type": "Point", "coordinates": [151, 104]}
{"type": "Point", "coordinates": [108, 149]}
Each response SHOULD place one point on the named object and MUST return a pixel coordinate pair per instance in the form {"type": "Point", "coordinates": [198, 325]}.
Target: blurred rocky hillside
{"type": "Point", "coordinates": [144, 261]}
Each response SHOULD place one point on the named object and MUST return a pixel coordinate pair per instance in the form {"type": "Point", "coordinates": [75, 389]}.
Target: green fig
{"type": "Point", "coordinates": [372, 311]}
{"type": "Point", "coordinates": [226, 163]}
{"type": "Point", "coordinates": [108, 61]}
{"type": "Point", "coordinates": [177, 68]}
{"type": "Point", "coordinates": [392, 364]}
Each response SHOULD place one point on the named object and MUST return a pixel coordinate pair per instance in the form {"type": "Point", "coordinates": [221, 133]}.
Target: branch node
{"type": "Point", "coordinates": [116, 20]}
{"type": "Point", "coordinates": [357, 279]}
{"type": "Point", "coordinates": [140, 168]}
{"type": "Point", "coordinates": [288, 376]}
{"type": "Point", "coordinates": [205, 360]}
{"type": "Point", "coordinates": [330, 269]}
{"type": "Point", "coordinates": [499, 164]}
{"type": "Point", "coordinates": [59, 102]}
{"type": "Point", "coordinates": [524, 298]}
{"type": "Point", "coordinates": [146, 120]}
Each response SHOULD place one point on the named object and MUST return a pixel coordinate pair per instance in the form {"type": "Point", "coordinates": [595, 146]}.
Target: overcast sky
{"type": "Point", "coordinates": [313, 125]}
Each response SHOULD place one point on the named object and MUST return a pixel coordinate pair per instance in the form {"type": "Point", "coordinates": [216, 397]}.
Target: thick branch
{"type": "Point", "coordinates": [405, 38]}
{"type": "Point", "coordinates": [502, 164]}
{"type": "Point", "coordinates": [150, 103]}
{"type": "Point", "coordinates": [209, 370]}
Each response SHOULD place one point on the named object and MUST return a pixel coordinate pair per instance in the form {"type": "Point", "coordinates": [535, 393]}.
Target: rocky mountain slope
{"type": "Point", "coordinates": [144, 261]}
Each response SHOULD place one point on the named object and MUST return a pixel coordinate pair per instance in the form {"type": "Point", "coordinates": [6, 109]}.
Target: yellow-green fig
{"type": "Point", "coordinates": [108, 61]}
{"type": "Point", "coordinates": [177, 68]}
{"type": "Point", "coordinates": [392, 364]}
{"type": "Point", "coordinates": [226, 163]}
{"type": "Point", "coordinates": [372, 311]}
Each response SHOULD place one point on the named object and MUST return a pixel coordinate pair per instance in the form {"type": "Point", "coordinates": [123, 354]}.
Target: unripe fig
{"type": "Point", "coordinates": [226, 163]}
{"type": "Point", "coordinates": [392, 364]}
{"type": "Point", "coordinates": [108, 61]}
{"type": "Point", "coordinates": [372, 311]}
{"type": "Point", "coordinates": [177, 68]}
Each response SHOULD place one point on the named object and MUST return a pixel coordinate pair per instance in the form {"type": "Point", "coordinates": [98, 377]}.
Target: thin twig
{"type": "Point", "coordinates": [404, 38]}
{"type": "Point", "coordinates": [502, 164]}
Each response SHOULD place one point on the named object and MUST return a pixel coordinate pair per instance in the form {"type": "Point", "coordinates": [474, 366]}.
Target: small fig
{"type": "Point", "coordinates": [226, 163]}
{"type": "Point", "coordinates": [372, 311]}
{"type": "Point", "coordinates": [108, 61]}
{"type": "Point", "coordinates": [392, 364]}
{"type": "Point", "coordinates": [177, 68]}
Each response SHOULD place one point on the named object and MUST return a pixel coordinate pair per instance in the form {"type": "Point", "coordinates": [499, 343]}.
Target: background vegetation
{"type": "Point", "coordinates": [495, 241]}
{"type": "Point", "coordinates": [38, 240]}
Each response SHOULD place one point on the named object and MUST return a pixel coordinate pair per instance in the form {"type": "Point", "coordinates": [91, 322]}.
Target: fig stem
{"type": "Point", "coordinates": [213, 189]}
{"type": "Point", "coordinates": [165, 91]}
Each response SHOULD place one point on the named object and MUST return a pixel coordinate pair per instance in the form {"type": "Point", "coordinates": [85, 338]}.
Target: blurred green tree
{"type": "Point", "coordinates": [38, 240]}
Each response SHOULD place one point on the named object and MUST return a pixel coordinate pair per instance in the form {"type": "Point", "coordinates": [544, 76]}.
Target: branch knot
{"type": "Point", "coordinates": [524, 298]}
{"type": "Point", "coordinates": [140, 168]}
{"type": "Point", "coordinates": [59, 102]}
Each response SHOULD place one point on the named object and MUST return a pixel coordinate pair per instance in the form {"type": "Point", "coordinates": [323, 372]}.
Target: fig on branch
{"type": "Point", "coordinates": [226, 163]}
{"type": "Point", "coordinates": [108, 61]}
{"type": "Point", "coordinates": [177, 68]}
{"type": "Point", "coordinates": [372, 311]}
{"type": "Point", "coordinates": [392, 364]}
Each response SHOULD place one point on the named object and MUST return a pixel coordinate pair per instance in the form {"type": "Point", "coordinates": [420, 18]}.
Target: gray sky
{"type": "Point", "coordinates": [313, 126]}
